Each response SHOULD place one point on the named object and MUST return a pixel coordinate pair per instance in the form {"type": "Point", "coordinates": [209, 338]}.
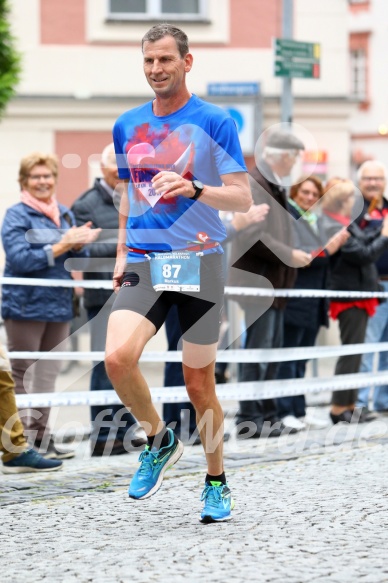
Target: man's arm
{"type": "Point", "coordinates": [234, 195]}
{"type": "Point", "coordinates": [122, 250]}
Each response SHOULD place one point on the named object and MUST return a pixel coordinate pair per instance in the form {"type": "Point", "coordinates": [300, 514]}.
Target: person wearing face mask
{"type": "Point", "coordinates": [39, 235]}
{"type": "Point", "coordinates": [372, 181]}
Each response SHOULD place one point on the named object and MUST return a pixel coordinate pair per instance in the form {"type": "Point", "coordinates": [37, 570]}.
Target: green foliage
{"type": "Point", "coordinates": [9, 59]}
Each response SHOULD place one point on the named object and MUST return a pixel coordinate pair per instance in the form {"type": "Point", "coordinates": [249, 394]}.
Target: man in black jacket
{"type": "Point", "coordinates": [100, 205]}
{"type": "Point", "coordinates": [372, 180]}
{"type": "Point", "coordinates": [268, 253]}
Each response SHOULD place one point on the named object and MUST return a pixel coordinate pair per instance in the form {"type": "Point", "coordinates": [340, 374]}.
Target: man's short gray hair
{"type": "Point", "coordinates": [163, 29]}
{"type": "Point", "coordinates": [367, 164]}
{"type": "Point", "coordinates": [276, 154]}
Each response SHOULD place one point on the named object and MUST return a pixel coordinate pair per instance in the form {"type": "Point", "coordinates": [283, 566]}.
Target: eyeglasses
{"type": "Point", "coordinates": [369, 178]}
{"type": "Point", "coordinates": [37, 177]}
{"type": "Point", "coordinates": [306, 192]}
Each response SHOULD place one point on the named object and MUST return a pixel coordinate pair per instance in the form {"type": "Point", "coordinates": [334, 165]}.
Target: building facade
{"type": "Point", "coordinates": [368, 47]}
{"type": "Point", "coordinates": [82, 67]}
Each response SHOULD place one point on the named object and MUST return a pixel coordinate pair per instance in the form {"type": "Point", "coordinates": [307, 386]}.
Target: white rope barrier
{"type": "Point", "coordinates": [229, 356]}
{"type": "Point", "coordinates": [300, 293]}
{"type": "Point", "coordinates": [227, 392]}
{"type": "Point", "coordinates": [230, 391]}
{"type": "Point", "coordinates": [85, 283]}
{"type": "Point", "coordinates": [229, 291]}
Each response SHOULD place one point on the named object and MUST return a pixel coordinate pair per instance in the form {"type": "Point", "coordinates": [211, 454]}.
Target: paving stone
{"type": "Point", "coordinates": [313, 508]}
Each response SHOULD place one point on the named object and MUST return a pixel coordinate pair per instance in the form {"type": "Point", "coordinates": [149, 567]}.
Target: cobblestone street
{"type": "Point", "coordinates": [310, 507]}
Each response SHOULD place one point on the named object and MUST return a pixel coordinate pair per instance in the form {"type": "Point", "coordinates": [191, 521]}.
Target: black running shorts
{"type": "Point", "coordinates": [138, 295]}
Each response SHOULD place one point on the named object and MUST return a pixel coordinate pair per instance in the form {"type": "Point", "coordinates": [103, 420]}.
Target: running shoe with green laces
{"type": "Point", "coordinates": [218, 503]}
{"type": "Point", "coordinates": [154, 463]}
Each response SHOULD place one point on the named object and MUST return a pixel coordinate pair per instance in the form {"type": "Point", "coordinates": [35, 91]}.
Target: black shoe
{"type": "Point", "coordinates": [277, 429]}
{"type": "Point", "coordinates": [51, 451]}
{"type": "Point", "coordinates": [345, 417]}
{"type": "Point", "coordinates": [365, 415]}
{"type": "Point", "coordinates": [115, 447]}
{"type": "Point", "coordinates": [243, 431]}
{"type": "Point", "coordinates": [105, 448]}
{"type": "Point", "coordinates": [266, 429]}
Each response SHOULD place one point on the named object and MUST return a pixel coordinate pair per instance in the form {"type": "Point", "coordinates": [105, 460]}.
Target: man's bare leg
{"type": "Point", "coordinates": [127, 335]}
{"type": "Point", "coordinates": [200, 384]}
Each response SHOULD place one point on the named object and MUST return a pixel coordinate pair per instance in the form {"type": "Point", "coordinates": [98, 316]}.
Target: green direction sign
{"type": "Point", "coordinates": [289, 68]}
{"type": "Point", "coordinates": [291, 49]}
{"type": "Point", "coordinates": [297, 59]}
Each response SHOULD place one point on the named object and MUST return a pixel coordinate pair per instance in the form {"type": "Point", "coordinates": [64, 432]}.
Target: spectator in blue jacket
{"type": "Point", "coordinates": [38, 235]}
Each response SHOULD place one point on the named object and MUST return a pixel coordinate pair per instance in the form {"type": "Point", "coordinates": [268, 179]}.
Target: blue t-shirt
{"type": "Point", "coordinates": [199, 141]}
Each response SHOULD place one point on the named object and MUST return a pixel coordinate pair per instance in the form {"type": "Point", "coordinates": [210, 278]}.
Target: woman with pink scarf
{"type": "Point", "coordinates": [38, 235]}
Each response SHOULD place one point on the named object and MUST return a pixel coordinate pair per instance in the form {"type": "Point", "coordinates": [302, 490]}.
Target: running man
{"type": "Point", "coordinates": [182, 162]}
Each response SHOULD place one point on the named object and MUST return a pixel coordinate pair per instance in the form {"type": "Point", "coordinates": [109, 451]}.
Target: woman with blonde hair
{"type": "Point", "coordinates": [304, 316]}
{"type": "Point", "coordinates": [38, 235]}
{"type": "Point", "coordinates": [352, 269]}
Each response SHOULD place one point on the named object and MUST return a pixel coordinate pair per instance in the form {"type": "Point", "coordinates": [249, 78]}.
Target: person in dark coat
{"type": "Point", "coordinates": [304, 316]}
{"type": "Point", "coordinates": [113, 428]}
{"type": "Point", "coordinates": [266, 251]}
{"type": "Point", "coordinates": [183, 414]}
{"type": "Point", "coordinates": [39, 235]}
{"type": "Point", "coordinates": [352, 269]}
{"type": "Point", "coordinates": [372, 178]}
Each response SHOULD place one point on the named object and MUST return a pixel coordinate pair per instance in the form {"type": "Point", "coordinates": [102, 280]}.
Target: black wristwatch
{"type": "Point", "coordinates": [198, 187]}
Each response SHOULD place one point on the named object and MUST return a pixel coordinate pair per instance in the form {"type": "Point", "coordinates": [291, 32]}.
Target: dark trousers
{"type": "Point", "coordinates": [265, 332]}
{"type": "Point", "coordinates": [295, 336]}
{"type": "Point", "coordinates": [183, 414]}
{"type": "Point", "coordinates": [352, 324]}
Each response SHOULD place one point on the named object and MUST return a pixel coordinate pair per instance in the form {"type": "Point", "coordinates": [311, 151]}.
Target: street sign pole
{"type": "Point", "coordinates": [287, 32]}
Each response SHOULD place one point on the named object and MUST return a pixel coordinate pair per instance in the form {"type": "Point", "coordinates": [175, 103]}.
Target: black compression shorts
{"type": "Point", "coordinates": [199, 312]}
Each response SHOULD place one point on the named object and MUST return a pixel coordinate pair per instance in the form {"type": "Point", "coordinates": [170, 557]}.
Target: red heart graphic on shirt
{"type": "Point", "coordinates": [141, 163]}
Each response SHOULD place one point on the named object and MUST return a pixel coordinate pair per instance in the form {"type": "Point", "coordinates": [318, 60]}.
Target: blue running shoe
{"type": "Point", "coordinates": [30, 461]}
{"type": "Point", "coordinates": [154, 462]}
{"type": "Point", "coordinates": [218, 503]}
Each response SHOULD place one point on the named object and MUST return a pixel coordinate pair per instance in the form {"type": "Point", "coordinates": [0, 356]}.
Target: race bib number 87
{"type": "Point", "coordinates": [175, 271]}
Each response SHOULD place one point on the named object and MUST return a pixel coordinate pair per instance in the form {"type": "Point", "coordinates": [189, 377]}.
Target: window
{"type": "Point", "coordinates": [358, 73]}
{"type": "Point", "coordinates": [157, 9]}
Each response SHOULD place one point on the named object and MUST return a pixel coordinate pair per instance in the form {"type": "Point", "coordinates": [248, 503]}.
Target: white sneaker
{"type": "Point", "coordinates": [293, 422]}
{"type": "Point", "coordinates": [314, 422]}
